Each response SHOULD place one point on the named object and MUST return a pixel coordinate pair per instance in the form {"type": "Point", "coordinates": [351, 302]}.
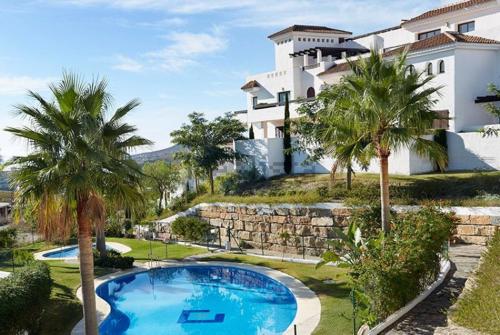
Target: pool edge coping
{"type": "Point", "coordinates": [308, 304]}
{"type": "Point", "coordinates": [39, 256]}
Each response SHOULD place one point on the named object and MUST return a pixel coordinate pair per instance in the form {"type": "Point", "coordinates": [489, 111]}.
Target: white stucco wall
{"type": "Point", "coordinates": [472, 151]}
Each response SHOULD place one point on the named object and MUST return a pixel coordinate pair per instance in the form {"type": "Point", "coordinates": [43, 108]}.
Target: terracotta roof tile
{"type": "Point", "coordinates": [309, 29]}
{"type": "Point", "coordinates": [432, 42]}
{"type": "Point", "coordinates": [447, 9]}
{"type": "Point", "coordinates": [251, 84]}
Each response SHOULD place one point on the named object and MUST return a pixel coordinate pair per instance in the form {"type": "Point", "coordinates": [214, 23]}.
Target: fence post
{"type": "Point", "coordinates": [261, 244]}
{"type": "Point", "coordinates": [303, 248]}
{"type": "Point", "coordinates": [294, 329]}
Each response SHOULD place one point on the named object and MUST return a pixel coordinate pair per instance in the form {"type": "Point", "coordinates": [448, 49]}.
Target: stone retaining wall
{"type": "Point", "coordinates": [310, 226]}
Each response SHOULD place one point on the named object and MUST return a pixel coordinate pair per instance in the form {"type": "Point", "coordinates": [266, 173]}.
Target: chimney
{"type": "Point", "coordinates": [306, 60]}
{"type": "Point", "coordinates": [319, 55]}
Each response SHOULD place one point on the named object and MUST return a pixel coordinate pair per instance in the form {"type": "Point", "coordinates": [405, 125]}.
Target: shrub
{"type": "Point", "coordinates": [7, 237]}
{"type": "Point", "coordinates": [408, 260]}
{"type": "Point", "coordinates": [228, 183]}
{"type": "Point", "coordinates": [23, 297]}
{"type": "Point", "coordinates": [190, 228]}
{"type": "Point", "coordinates": [114, 260]}
{"type": "Point", "coordinates": [389, 271]}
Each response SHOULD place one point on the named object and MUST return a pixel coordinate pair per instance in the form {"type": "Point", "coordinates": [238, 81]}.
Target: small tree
{"type": "Point", "coordinates": [287, 141]}
{"type": "Point", "coordinates": [251, 135]}
{"type": "Point", "coordinates": [493, 110]}
{"type": "Point", "coordinates": [164, 178]}
{"type": "Point", "coordinates": [392, 108]}
{"type": "Point", "coordinates": [208, 143]}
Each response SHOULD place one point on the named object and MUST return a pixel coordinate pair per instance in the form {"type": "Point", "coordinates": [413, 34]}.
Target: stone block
{"type": "Point", "coordinates": [341, 212]}
{"type": "Point", "coordinates": [466, 230]}
{"type": "Point", "coordinates": [480, 219]}
{"type": "Point", "coordinates": [216, 222]}
{"type": "Point", "coordinates": [298, 211]}
{"type": "Point", "coordinates": [300, 219]}
{"type": "Point", "coordinates": [486, 230]}
{"type": "Point", "coordinates": [245, 235]}
{"type": "Point", "coordinates": [480, 240]}
{"type": "Point", "coordinates": [281, 211]}
{"type": "Point", "coordinates": [276, 227]}
{"type": "Point", "coordinates": [251, 210]}
{"type": "Point", "coordinates": [239, 225]}
{"type": "Point", "coordinates": [322, 221]}
{"type": "Point", "coordinates": [279, 219]}
{"type": "Point", "coordinates": [303, 230]}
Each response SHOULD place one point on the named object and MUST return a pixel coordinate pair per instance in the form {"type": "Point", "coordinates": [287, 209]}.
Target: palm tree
{"type": "Point", "coordinates": [78, 159]}
{"type": "Point", "coordinates": [391, 107]}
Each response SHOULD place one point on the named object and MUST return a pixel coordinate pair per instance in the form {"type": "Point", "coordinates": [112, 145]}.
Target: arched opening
{"type": "Point", "coordinates": [311, 93]}
{"type": "Point", "coordinates": [429, 69]}
{"type": "Point", "coordinates": [410, 69]}
{"type": "Point", "coordinates": [441, 66]}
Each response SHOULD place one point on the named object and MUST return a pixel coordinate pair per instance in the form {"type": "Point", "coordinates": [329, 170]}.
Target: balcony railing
{"type": "Point", "coordinates": [275, 104]}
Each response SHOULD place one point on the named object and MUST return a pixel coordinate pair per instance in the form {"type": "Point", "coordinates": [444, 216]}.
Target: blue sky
{"type": "Point", "coordinates": [176, 56]}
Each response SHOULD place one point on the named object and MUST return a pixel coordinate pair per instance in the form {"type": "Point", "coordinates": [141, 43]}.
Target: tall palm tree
{"type": "Point", "coordinates": [79, 157]}
{"type": "Point", "coordinates": [392, 108]}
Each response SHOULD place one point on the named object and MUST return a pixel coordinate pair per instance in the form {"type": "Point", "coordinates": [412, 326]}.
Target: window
{"type": "Point", "coordinates": [255, 101]}
{"type": "Point", "coordinates": [341, 40]}
{"type": "Point", "coordinates": [410, 69]}
{"type": "Point", "coordinates": [323, 40]}
{"type": "Point", "coordinates": [279, 132]}
{"type": "Point", "coordinates": [308, 40]}
{"type": "Point", "coordinates": [428, 34]}
{"type": "Point", "coordinates": [300, 39]}
{"type": "Point", "coordinates": [466, 27]}
{"type": "Point", "coordinates": [441, 66]}
{"type": "Point", "coordinates": [429, 69]}
{"type": "Point", "coordinates": [282, 97]}
{"type": "Point", "coordinates": [310, 92]}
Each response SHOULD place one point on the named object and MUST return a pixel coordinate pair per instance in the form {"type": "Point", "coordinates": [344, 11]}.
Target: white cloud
{"type": "Point", "coordinates": [19, 85]}
{"type": "Point", "coordinates": [185, 48]}
{"type": "Point", "coordinates": [128, 64]}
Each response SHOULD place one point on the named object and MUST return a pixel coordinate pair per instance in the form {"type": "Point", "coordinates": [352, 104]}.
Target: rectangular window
{"type": "Point", "coordinates": [466, 27]}
{"type": "Point", "coordinates": [254, 102]}
{"type": "Point", "coordinates": [341, 40]}
{"type": "Point", "coordinates": [279, 132]}
{"type": "Point", "coordinates": [282, 96]}
{"type": "Point", "coordinates": [428, 34]}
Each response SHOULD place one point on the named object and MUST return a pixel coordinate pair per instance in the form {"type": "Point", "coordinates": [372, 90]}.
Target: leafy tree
{"type": "Point", "coordinates": [493, 110]}
{"type": "Point", "coordinates": [389, 107]}
{"type": "Point", "coordinates": [164, 178]}
{"type": "Point", "coordinates": [319, 139]}
{"type": "Point", "coordinates": [287, 141]}
{"type": "Point", "coordinates": [251, 135]}
{"type": "Point", "coordinates": [79, 158]}
{"type": "Point", "coordinates": [208, 143]}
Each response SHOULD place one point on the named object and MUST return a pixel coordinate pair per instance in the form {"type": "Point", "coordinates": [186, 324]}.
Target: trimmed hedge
{"type": "Point", "coordinates": [23, 297]}
{"type": "Point", "coordinates": [113, 260]}
{"type": "Point", "coordinates": [190, 228]}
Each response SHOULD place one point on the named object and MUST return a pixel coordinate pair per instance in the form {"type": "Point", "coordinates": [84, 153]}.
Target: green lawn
{"type": "Point", "coordinates": [466, 189]}
{"type": "Point", "coordinates": [141, 249]}
{"type": "Point", "coordinates": [336, 308]}
{"type": "Point", "coordinates": [480, 308]}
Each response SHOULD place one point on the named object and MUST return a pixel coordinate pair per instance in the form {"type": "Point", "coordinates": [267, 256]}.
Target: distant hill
{"type": "Point", "coordinates": [163, 154]}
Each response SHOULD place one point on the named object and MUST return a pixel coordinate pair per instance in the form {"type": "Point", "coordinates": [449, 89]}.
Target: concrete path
{"type": "Point", "coordinates": [431, 313]}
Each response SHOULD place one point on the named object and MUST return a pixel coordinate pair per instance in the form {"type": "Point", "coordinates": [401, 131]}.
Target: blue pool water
{"type": "Point", "coordinates": [72, 252]}
{"type": "Point", "coordinates": [197, 300]}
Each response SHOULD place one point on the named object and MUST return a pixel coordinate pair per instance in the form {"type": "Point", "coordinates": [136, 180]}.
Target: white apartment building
{"type": "Point", "coordinates": [458, 43]}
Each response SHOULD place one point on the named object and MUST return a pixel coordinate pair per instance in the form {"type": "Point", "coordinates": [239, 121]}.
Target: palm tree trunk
{"type": "Point", "coordinates": [211, 177]}
{"type": "Point", "coordinates": [384, 192]}
{"type": "Point", "coordinates": [333, 171]}
{"type": "Point", "coordinates": [100, 242]}
{"type": "Point", "coordinates": [86, 269]}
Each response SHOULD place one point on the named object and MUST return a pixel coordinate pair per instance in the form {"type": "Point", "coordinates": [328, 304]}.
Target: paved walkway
{"type": "Point", "coordinates": [431, 313]}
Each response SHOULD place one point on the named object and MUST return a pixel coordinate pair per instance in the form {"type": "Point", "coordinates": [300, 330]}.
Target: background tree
{"type": "Point", "coordinates": [493, 110]}
{"type": "Point", "coordinates": [390, 106]}
{"type": "Point", "coordinates": [208, 143]}
{"type": "Point", "coordinates": [251, 135]}
{"type": "Point", "coordinates": [287, 140]}
{"type": "Point", "coordinates": [164, 178]}
{"type": "Point", "coordinates": [70, 169]}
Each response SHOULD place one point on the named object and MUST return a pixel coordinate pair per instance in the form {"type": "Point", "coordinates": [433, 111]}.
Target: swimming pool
{"type": "Point", "coordinates": [67, 252]}
{"type": "Point", "coordinates": [196, 300]}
